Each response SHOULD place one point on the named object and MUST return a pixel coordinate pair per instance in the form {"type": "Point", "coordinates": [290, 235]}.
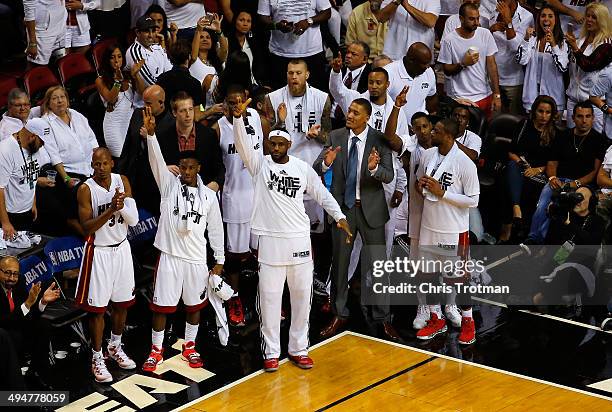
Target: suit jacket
{"type": "Point", "coordinates": [206, 146]}
{"type": "Point", "coordinates": [372, 194]}
{"type": "Point", "coordinates": [14, 320]}
{"type": "Point", "coordinates": [362, 86]}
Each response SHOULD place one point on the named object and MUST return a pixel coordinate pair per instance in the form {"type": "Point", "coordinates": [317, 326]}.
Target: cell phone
{"type": "Point", "coordinates": [209, 17]}
{"type": "Point", "coordinates": [570, 27]}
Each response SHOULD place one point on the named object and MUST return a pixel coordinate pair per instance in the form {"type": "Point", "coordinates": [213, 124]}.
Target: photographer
{"type": "Point", "coordinates": [575, 234]}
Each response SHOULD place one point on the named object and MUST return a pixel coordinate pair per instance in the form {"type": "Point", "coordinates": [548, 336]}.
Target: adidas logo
{"type": "Point", "coordinates": [378, 113]}
{"type": "Point", "coordinates": [298, 107]}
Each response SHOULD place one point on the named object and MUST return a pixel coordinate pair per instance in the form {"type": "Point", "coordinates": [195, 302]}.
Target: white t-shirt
{"type": "Point", "coordinates": [461, 178]}
{"type": "Point", "coordinates": [405, 29]}
{"type": "Point", "coordinates": [185, 16]}
{"type": "Point", "coordinates": [421, 87]}
{"type": "Point", "coordinates": [453, 22]}
{"type": "Point", "coordinates": [472, 82]}
{"type": "Point", "coordinates": [18, 173]}
{"type": "Point", "coordinates": [510, 72]}
{"type": "Point", "coordinates": [289, 44]}
{"type": "Point", "coordinates": [415, 200]}
{"type": "Point", "coordinates": [470, 140]}
{"type": "Point", "coordinates": [603, 87]}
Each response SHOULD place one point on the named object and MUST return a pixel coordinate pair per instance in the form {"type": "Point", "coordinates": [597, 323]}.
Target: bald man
{"type": "Point", "coordinates": [414, 71]}
{"type": "Point", "coordinates": [106, 209]}
{"type": "Point", "coordinates": [134, 160]}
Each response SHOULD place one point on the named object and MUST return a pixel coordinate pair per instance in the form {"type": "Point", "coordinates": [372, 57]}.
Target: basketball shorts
{"type": "Point", "coordinates": [444, 252]}
{"type": "Point", "coordinates": [176, 278]}
{"type": "Point", "coordinates": [238, 237]}
{"type": "Point", "coordinates": [107, 275]}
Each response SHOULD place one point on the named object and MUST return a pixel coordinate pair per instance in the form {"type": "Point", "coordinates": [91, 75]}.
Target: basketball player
{"type": "Point", "coordinates": [237, 196]}
{"type": "Point", "coordinates": [448, 180]}
{"type": "Point", "coordinates": [106, 209]}
{"type": "Point", "coordinates": [282, 226]}
{"type": "Point", "coordinates": [308, 120]}
{"type": "Point", "coordinates": [188, 208]}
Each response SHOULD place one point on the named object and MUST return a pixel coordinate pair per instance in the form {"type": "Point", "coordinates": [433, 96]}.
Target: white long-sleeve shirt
{"type": "Point", "coordinates": [279, 191]}
{"type": "Point", "coordinates": [71, 145]}
{"type": "Point", "coordinates": [190, 245]}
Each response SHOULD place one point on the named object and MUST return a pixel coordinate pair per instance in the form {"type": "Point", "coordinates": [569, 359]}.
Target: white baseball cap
{"type": "Point", "coordinates": [39, 127]}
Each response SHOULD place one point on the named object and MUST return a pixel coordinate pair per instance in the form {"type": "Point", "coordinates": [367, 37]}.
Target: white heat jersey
{"type": "Point", "coordinates": [237, 196]}
{"type": "Point", "coordinates": [302, 113]}
{"type": "Point", "coordinates": [278, 209]}
{"type": "Point", "coordinates": [415, 200]}
{"type": "Point", "coordinates": [114, 231]}
{"type": "Point", "coordinates": [460, 178]}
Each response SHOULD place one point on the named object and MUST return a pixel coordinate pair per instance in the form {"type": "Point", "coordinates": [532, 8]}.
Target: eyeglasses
{"type": "Point", "coordinates": [10, 273]}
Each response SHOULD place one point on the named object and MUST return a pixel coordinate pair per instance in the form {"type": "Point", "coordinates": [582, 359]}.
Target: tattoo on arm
{"type": "Point", "coordinates": [326, 125]}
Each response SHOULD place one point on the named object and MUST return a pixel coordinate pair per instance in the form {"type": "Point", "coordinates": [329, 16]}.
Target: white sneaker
{"type": "Point", "coordinates": [116, 353]}
{"type": "Point", "coordinates": [99, 370]}
{"type": "Point", "coordinates": [421, 318]}
{"type": "Point", "coordinates": [453, 315]}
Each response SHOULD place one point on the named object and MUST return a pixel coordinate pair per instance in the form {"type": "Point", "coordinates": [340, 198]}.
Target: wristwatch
{"type": "Point", "coordinates": [604, 108]}
{"type": "Point", "coordinates": [578, 184]}
{"type": "Point", "coordinates": [509, 26]}
{"type": "Point", "coordinates": [310, 21]}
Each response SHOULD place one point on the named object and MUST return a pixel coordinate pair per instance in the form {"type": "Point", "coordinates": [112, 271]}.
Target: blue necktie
{"type": "Point", "coordinates": [350, 193]}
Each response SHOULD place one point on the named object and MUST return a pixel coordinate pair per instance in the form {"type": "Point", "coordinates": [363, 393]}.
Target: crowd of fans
{"type": "Point", "coordinates": [302, 63]}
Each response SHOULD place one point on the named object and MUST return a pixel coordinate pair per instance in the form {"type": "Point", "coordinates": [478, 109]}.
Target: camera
{"type": "Point", "coordinates": [564, 202]}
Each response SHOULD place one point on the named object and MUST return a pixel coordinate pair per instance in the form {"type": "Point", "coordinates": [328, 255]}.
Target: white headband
{"type": "Point", "coordinates": [280, 133]}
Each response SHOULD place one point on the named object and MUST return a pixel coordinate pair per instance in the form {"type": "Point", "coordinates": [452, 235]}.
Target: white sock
{"type": "Point", "coordinates": [97, 355]}
{"type": "Point", "coordinates": [466, 313]}
{"type": "Point", "coordinates": [436, 309]}
{"type": "Point", "coordinates": [157, 338]}
{"type": "Point", "coordinates": [115, 340]}
{"type": "Point", "coordinates": [191, 331]}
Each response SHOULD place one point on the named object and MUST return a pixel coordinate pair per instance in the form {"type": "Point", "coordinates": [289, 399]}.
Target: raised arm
{"type": "Point", "coordinates": [244, 146]}
{"type": "Point", "coordinates": [162, 175]}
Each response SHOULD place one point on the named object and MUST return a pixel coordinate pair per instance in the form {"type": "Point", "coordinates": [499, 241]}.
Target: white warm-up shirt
{"type": "Point", "coordinates": [185, 16]}
{"type": "Point", "coordinates": [462, 179]}
{"type": "Point", "coordinates": [187, 245]}
{"type": "Point", "coordinates": [470, 140]}
{"type": "Point", "coordinates": [404, 30]}
{"type": "Point", "coordinates": [473, 81]}
{"type": "Point", "coordinates": [421, 87]}
{"type": "Point", "coordinates": [282, 44]}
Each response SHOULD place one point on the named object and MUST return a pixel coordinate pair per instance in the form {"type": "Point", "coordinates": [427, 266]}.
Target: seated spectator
{"type": "Point", "coordinates": [207, 48]}
{"type": "Point", "coordinates": [242, 38]}
{"type": "Point", "coordinates": [78, 39]}
{"type": "Point", "coordinates": [409, 22]}
{"type": "Point", "coordinates": [527, 159]}
{"type": "Point", "coordinates": [508, 28]}
{"type": "Point", "coordinates": [299, 38]}
{"type": "Point", "coordinates": [601, 97]}
{"type": "Point", "coordinates": [116, 88]}
{"type": "Point", "coordinates": [189, 135]}
{"type": "Point", "coordinates": [471, 77]}
{"type": "Point", "coordinates": [544, 52]}
{"type": "Point", "coordinates": [185, 14]}
{"type": "Point", "coordinates": [20, 164]}
{"type": "Point", "coordinates": [145, 48]}
{"type": "Point", "coordinates": [70, 146]}
{"type": "Point", "coordinates": [574, 161]}
{"type": "Point", "coordinates": [164, 32]}
{"type": "Point", "coordinates": [20, 314]}
{"type": "Point", "coordinates": [17, 114]}
{"type": "Point", "coordinates": [592, 52]}
{"type": "Point", "coordinates": [178, 79]}
{"type": "Point", "coordinates": [364, 25]}
{"type": "Point", "coordinates": [45, 22]}
{"type": "Point", "coordinates": [453, 22]}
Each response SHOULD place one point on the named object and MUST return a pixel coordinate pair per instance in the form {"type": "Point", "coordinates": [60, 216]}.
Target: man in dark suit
{"type": "Point", "coordinates": [361, 162]}
{"type": "Point", "coordinates": [20, 312]}
{"type": "Point", "coordinates": [187, 135]}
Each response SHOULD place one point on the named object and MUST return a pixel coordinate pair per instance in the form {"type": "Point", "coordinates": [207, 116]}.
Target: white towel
{"type": "Point", "coordinates": [217, 288]}
{"type": "Point", "coordinates": [21, 240]}
{"type": "Point", "coordinates": [446, 165]}
{"type": "Point", "coordinates": [186, 204]}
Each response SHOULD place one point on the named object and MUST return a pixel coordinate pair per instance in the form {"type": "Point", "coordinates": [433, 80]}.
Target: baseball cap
{"type": "Point", "coordinates": [145, 23]}
{"type": "Point", "coordinates": [39, 127]}
{"type": "Point", "coordinates": [280, 133]}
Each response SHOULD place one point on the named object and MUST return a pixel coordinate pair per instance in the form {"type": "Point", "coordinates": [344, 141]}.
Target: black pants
{"type": "Point", "coordinates": [22, 221]}
{"type": "Point", "coordinates": [316, 67]}
{"type": "Point", "coordinates": [10, 372]}
{"type": "Point", "coordinates": [32, 337]}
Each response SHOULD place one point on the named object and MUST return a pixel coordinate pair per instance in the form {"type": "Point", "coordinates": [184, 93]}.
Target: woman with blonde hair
{"type": "Point", "coordinates": [591, 53]}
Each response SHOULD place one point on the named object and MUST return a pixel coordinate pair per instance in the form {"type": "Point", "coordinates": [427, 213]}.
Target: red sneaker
{"type": "Point", "coordinates": [156, 357]}
{"type": "Point", "coordinates": [434, 327]}
{"type": "Point", "coordinates": [191, 355]}
{"type": "Point", "coordinates": [270, 365]}
{"type": "Point", "coordinates": [236, 314]}
{"type": "Point", "coordinates": [302, 361]}
{"type": "Point", "coordinates": [468, 331]}
{"type": "Point", "coordinates": [327, 306]}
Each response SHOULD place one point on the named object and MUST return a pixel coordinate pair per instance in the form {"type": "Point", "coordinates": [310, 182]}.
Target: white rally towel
{"type": "Point", "coordinates": [186, 203]}
{"type": "Point", "coordinates": [21, 240]}
{"type": "Point", "coordinates": [446, 164]}
{"type": "Point", "coordinates": [307, 107]}
{"type": "Point", "coordinates": [217, 292]}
